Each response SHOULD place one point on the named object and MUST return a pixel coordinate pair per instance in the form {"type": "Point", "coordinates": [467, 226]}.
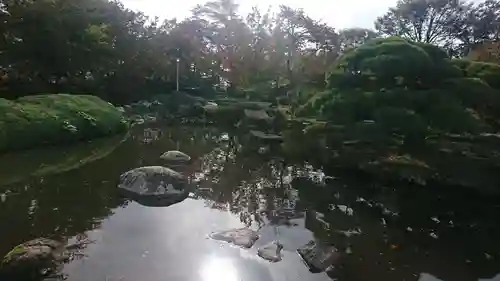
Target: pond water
{"type": "Point", "coordinates": [383, 232]}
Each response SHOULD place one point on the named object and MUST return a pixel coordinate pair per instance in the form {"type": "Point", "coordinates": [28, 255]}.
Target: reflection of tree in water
{"type": "Point", "coordinates": [244, 182]}
{"type": "Point", "coordinates": [257, 187]}
{"type": "Point", "coordinates": [60, 205]}
{"type": "Point", "coordinates": [395, 233]}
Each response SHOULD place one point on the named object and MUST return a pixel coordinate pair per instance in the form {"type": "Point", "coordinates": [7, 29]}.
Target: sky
{"type": "Point", "coordinates": [337, 13]}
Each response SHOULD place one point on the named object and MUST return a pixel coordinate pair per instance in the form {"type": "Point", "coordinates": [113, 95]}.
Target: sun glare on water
{"type": "Point", "coordinates": [218, 269]}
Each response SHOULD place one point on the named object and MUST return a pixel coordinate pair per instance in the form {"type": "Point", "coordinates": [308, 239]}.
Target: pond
{"type": "Point", "coordinates": [382, 232]}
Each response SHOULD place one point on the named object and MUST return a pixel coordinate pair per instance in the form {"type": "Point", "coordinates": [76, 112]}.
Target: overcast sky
{"type": "Point", "coordinates": [337, 13]}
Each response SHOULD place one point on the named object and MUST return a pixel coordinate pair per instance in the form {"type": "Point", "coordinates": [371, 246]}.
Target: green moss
{"type": "Point", "coordinates": [18, 250]}
{"type": "Point", "coordinates": [54, 119]}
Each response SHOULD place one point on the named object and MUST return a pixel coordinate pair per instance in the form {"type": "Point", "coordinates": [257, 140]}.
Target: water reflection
{"type": "Point", "coordinates": [17, 166]}
{"type": "Point", "coordinates": [383, 232]}
{"type": "Point", "coordinates": [218, 269]}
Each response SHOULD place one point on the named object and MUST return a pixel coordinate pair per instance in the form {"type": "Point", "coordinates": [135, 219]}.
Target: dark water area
{"type": "Point", "coordinates": [383, 232]}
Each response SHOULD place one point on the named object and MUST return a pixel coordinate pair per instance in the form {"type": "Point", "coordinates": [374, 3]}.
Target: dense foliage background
{"type": "Point", "coordinates": [102, 48]}
{"type": "Point", "coordinates": [419, 91]}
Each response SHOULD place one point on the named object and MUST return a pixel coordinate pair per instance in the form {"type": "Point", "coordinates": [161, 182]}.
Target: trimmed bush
{"type": "Point", "coordinates": [488, 72]}
{"type": "Point", "coordinates": [56, 118]}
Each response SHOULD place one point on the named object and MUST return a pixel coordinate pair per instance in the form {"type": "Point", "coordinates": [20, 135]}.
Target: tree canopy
{"type": "Point", "coordinates": [100, 47]}
{"type": "Point", "coordinates": [455, 24]}
{"type": "Point", "coordinates": [427, 73]}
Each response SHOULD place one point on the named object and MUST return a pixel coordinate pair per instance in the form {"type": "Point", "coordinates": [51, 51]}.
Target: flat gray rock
{"type": "Point", "coordinates": [175, 156]}
{"type": "Point", "coordinates": [271, 252]}
{"type": "Point", "coordinates": [154, 186]}
{"type": "Point", "coordinates": [317, 256]}
{"type": "Point", "coordinates": [243, 237]}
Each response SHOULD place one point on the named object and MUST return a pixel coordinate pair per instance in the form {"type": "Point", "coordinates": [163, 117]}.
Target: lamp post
{"type": "Point", "coordinates": [177, 74]}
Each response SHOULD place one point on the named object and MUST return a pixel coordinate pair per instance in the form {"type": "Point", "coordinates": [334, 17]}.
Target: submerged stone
{"type": "Point", "coordinates": [271, 252]}
{"type": "Point", "coordinates": [175, 156]}
{"type": "Point", "coordinates": [243, 237]}
{"type": "Point", "coordinates": [318, 256]}
{"type": "Point", "coordinates": [154, 186]}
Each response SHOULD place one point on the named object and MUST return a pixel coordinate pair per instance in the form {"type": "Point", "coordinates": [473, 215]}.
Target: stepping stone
{"type": "Point", "coordinates": [243, 237]}
{"type": "Point", "coordinates": [271, 252]}
{"type": "Point", "coordinates": [175, 156]}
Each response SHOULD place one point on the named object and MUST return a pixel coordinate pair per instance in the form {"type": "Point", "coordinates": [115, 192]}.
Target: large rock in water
{"type": "Point", "coordinates": [175, 157]}
{"type": "Point", "coordinates": [34, 258]}
{"type": "Point", "coordinates": [154, 186]}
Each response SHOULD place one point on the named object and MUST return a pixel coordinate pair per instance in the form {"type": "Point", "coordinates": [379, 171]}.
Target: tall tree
{"type": "Point", "coordinates": [226, 31]}
{"type": "Point", "coordinates": [355, 37]}
{"type": "Point", "coordinates": [428, 21]}
{"type": "Point", "coordinates": [481, 24]}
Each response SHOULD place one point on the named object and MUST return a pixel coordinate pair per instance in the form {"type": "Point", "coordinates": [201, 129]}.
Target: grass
{"type": "Point", "coordinates": [55, 119]}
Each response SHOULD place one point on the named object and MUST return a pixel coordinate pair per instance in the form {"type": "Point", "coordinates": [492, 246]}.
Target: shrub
{"type": "Point", "coordinates": [391, 62]}
{"type": "Point", "coordinates": [488, 72]}
{"type": "Point", "coordinates": [226, 115]}
{"type": "Point", "coordinates": [56, 118]}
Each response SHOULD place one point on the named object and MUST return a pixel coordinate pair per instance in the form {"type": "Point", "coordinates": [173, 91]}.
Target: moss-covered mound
{"type": "Point", "coordinates": [54, 119]}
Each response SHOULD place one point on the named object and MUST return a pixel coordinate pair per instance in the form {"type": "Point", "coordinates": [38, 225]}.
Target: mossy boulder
{"type": "Point", "coordinates": [56, 118]}
{"type": "Point", "coordinates": [33, 258]}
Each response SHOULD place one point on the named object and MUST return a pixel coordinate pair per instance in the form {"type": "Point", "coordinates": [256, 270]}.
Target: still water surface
{"type": "Point", "coordinates": [383, 234]}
